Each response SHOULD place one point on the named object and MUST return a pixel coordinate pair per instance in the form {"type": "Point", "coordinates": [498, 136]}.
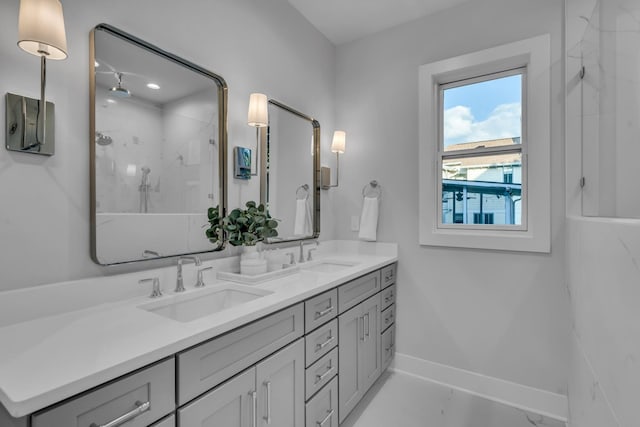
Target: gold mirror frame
{"type": "Point", "coordinates": [315, 187]}
{"type": "Point", "coordinates": [222, 98]}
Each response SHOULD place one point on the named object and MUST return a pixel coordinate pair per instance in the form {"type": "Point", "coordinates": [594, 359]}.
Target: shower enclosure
{"type": "Point", "coordinates": [604, 105]}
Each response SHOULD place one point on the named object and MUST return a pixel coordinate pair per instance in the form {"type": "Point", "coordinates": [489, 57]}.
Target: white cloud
{"type": "Point", "coordinates": [460, 125]}
{"type": "Point", "coordinates": [457, 122]}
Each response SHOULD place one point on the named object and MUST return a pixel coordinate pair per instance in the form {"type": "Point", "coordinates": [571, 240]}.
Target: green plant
{"type": "Point", "coordinates": [214, 232]}
{"type": "Point", "coordinates": [244, 227]}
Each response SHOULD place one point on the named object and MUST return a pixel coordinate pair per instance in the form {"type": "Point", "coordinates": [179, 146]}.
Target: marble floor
{"type": "Point", "coordinates": [401, 400]}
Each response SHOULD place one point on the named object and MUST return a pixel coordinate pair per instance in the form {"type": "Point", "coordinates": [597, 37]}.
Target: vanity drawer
{"type": "Point", "coordinates": [322, 410]}
{"type": "Point", "coordinates": [389, 275]}
{"type": "Point", "coordinates": [320, 309]}
{"type": "Point", "coordinates": [145, 396]}
{"type": "Point", "coordinates": [321, 341]}
{"type": "Point", "coordinates": [388, 317]}
{"type": "Point", "coordinates": [387, 297]}
{"type": "Point", "coordinates": [388, 346]}
{"type": "Point", "coordinates": [209, 364]}
{"type": "Point", "coordinates": [321, 372]}
{"type": "Point", "coordinates": [358, 290]}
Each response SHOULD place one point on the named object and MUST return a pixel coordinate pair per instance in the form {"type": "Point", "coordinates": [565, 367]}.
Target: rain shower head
{"type": "Point", "coordinates": [119, 91]}
{"type": "Point", "coordinates": [102, 139]}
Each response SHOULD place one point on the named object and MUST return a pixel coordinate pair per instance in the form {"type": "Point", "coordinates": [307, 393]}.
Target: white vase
{"type": "Point", "coordinates": [251, 262]}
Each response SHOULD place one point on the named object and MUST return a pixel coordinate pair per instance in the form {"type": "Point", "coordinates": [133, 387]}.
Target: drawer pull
{"type": "Point", "coordinates": [324, 344]}
{"type": "Point", "coordinates": [139, 409]}
{"type": "Point", "coordinates": [323, 313]}
{"type": "Point", "coordinates": [319, 378]}
{"type": "Point", "coordinates": [327, 418]}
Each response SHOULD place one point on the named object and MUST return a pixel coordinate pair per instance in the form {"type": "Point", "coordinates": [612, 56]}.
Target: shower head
{"type": "Point", "coordinates": [102, 139]}
{"type": "Point", "coordinates": [119, 91]}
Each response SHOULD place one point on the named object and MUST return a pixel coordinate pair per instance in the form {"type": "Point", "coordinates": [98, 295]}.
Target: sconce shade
{"type": "Point", "coordinates": [41, 28]}
{"type": "Point", "coordinates": [339, 142]}
{"type": "Point", "coordinates": [258, 115]}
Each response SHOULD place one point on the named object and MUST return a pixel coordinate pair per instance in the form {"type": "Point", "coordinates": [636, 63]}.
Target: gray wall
{"type": "Point", "coordinates": [500, 314]}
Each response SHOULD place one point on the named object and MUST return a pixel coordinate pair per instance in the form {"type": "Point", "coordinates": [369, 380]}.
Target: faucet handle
{"type": "Point", "coordinates": [200, 282]}
{"type": "Point", "coordinates": [155, 290]}
{"type": "Point", "coordinates": [309, 258]}
{"type": "Point", "coordinates": [292, 258]}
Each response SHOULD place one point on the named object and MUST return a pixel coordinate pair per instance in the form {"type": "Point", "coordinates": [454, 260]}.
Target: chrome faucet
{"type": "Point", "coordinates": [181, 259]}
{"type": "Point", "coordinates": [301, 257]}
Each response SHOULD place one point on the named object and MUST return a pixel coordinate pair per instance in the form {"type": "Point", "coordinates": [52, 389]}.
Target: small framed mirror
{"type": "Point", "coordinates": [290, 171]}
{"type": "Point", "coordinates": [158, 149]}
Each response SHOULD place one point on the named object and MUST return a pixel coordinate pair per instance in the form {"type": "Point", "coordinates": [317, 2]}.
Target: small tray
{"type": "Point", "coordinates": [257, 278]}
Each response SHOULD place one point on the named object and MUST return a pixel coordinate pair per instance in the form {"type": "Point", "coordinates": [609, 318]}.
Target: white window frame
{"type": "Point", "coordinates": [535, 233]}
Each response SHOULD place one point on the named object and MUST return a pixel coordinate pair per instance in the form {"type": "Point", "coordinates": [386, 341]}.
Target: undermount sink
{"type": "Point", "coordinates": [186, 308]}
{"type": "Point", "coordinates": [326, 266]}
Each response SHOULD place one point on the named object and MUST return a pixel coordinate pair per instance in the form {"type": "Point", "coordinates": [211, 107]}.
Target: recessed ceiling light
{"type": "Point", "coordinates": [153, 86]}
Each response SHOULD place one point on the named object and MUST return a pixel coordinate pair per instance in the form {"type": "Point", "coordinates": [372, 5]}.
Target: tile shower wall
{"type": "Point", "coordinates": [256, 46]}
{"type": "Point", "coordinates": [603, 269]}
{"type": "Point", "coordinates": [603, 275]}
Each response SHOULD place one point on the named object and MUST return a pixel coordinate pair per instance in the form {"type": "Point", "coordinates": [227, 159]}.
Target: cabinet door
{"type": "Point", "coordinates": [280, 385]}
{"type": "Point", "coordinates": [233, 404]}
{"type": "Point", "coordinates": [369, 354]}
{"type": "Point", "coordinates": [350, 332]}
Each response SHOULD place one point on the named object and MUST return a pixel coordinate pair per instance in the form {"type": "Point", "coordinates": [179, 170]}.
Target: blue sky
{"type": "Point", "coordinates": [483, 111]}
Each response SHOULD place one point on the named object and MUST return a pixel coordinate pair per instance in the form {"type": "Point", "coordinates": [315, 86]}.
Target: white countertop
{"type": "Point", "coordinates": [54, 352]}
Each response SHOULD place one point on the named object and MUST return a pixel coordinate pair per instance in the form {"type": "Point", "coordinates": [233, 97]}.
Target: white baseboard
{"type": "Point", "coordinates": [531, 399]}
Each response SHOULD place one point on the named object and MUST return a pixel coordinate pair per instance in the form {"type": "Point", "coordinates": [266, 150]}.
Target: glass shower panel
{"type": "Point", "coordinates": [610, 108]}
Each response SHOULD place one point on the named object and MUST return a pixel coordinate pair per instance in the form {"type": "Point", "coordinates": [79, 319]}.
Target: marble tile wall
{"type": "Point", "coordinates": [604, 285]}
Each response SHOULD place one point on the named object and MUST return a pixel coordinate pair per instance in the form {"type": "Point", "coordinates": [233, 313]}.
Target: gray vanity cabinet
{"type": "Point", "coordinates": [138, 400]}
{"type": "Point", "coordinates": [233, 404]}
{"type": "Point", "coordinates": [269, 393]}
{"type": "Point", "coordinates": [358, 353]}
{"type": "Point", "coordinates": [280, 386]}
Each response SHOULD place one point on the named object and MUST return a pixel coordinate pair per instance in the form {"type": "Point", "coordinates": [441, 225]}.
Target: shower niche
{"type": "Point", "coordinates": [603, 103]}
{"type": "Point", "coordinates": [157, 150]}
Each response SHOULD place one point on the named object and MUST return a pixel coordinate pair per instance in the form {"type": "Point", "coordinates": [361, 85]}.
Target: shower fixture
{"type": "Point", "coordinates": [144, 189]}
{"type": "Point", "coordinates": [119, 91]}
{"type": "Point", "coordinates": [102, 139]}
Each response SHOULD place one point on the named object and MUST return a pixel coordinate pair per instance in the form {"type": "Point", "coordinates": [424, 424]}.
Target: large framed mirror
{"type": "Point", "coordinates": [290, 171]}
{"type": "Point", "coordinates": [158, 150]}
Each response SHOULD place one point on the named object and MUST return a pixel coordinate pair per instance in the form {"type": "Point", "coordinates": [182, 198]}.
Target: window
{"type": "Point", "coordinates": [480, 122]}
{"type": "Point", "coordinates": [485, 127]}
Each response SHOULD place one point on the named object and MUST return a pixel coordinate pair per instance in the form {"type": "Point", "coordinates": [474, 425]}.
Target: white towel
{"type": "Point", "coordinates": [369, 219]}
{"type": "Point", "coordinates": [302, 222]}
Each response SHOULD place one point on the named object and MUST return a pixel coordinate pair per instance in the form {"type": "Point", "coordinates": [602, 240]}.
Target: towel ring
{"type": "Point", "coordinates": [373, 189]}
{"type": "Point", "coordinates": [302, 193]}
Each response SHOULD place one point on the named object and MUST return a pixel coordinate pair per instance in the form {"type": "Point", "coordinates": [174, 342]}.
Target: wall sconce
{"type": "Point", "coordinates": [30, 122]}
{"type": "Point", "coordinates": [258, 117]}
{"type": "Point", "coordinates": [338, 145]}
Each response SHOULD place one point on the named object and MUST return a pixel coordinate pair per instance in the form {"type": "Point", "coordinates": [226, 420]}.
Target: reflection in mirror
{"type": "Point", "coordinates": [157, 150]}
{"type": "Point", "coordinates": [290, 169]}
